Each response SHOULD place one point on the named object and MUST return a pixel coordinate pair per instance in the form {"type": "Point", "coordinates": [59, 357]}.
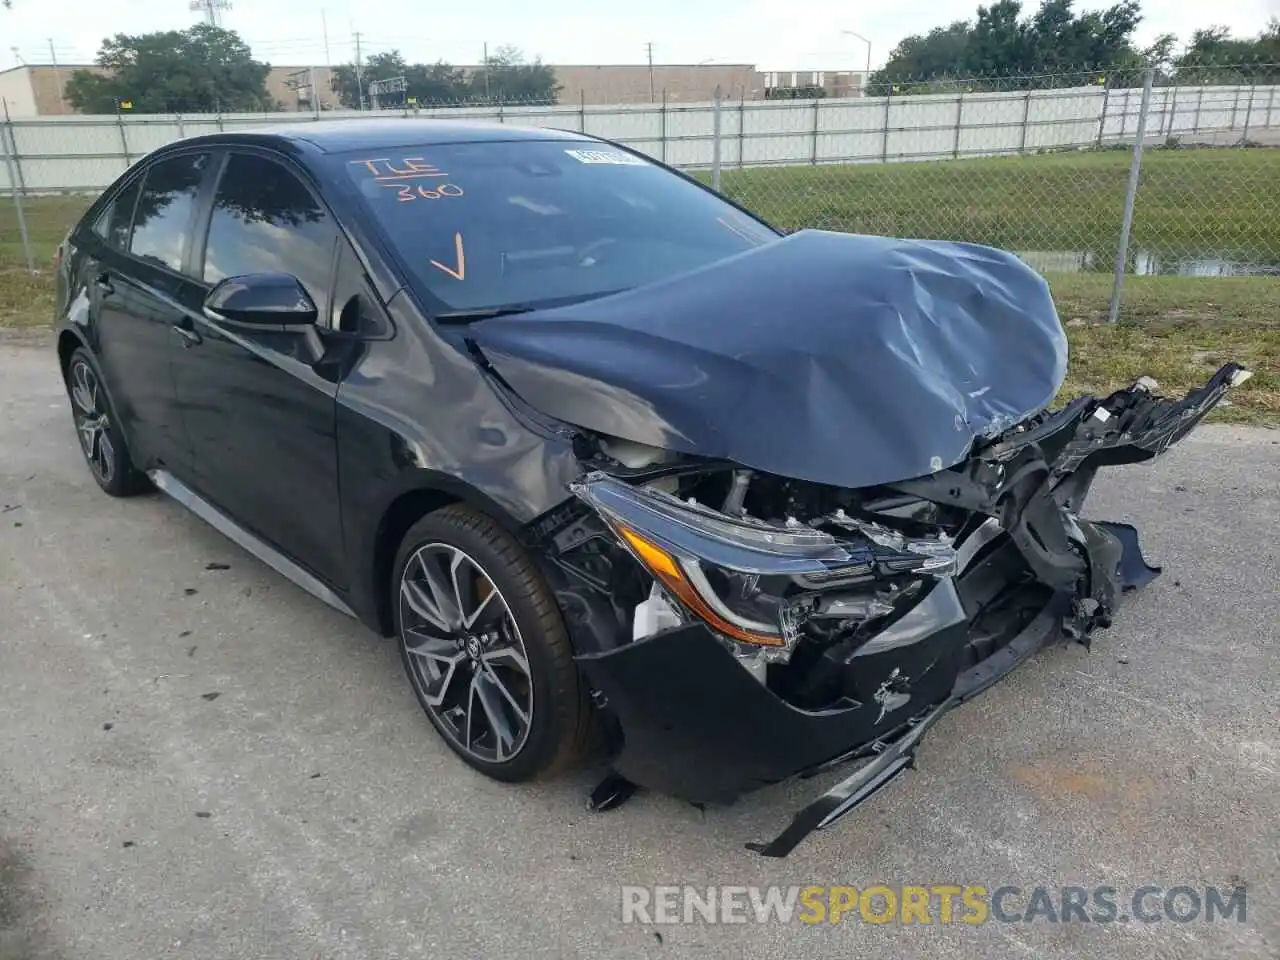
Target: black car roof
{"type": "Point", "coordinates": [337, 136]}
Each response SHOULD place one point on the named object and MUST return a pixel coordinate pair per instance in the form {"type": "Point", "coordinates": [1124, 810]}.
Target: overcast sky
{"type": "Point", "coordinates": [772, 34]}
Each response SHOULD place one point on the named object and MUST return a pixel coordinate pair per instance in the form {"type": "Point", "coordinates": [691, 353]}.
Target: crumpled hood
{"type": "Point", "coordinates": [837, 358]}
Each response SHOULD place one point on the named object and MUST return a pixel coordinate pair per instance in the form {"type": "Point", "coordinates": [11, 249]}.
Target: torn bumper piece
{"type": "Point", "coordinates": [699, 727]}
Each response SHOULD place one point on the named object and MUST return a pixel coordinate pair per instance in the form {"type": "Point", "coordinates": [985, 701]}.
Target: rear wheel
{"type": "Point", "coordinates": [485, 647]}
{"type": "Point", "coordinates": [101, 439]}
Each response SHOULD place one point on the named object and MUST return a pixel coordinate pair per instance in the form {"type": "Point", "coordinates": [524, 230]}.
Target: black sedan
{"type": "Point", "coordinates": [619, 465]}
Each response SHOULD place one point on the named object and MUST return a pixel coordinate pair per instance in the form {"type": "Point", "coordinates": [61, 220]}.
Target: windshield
{"type": "Point", "coordinates": [540, 222]}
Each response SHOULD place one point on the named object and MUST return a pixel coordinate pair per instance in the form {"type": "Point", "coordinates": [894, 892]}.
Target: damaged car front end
{"type": "Point", "coordinates": [793, 626]}
{"type": "Point", "coordinates": [804, 548]}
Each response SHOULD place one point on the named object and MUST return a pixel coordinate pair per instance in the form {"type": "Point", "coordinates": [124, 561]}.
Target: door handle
{"type": "Point", "coordinates": [103, 283]}
{"type": "Point", "coordinates": [188, 334]}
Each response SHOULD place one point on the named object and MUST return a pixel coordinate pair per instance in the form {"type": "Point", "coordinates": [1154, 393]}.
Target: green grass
{"type": "Point", "coordinates": [1176, 329]}
{"type": "Point", "coordinates": [26, 300]}
{"type": "Point", "coordinates": [1220, 200]}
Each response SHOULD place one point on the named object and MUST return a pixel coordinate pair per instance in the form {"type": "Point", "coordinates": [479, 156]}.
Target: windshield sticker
{"type": "Point", "coordinates": [616, 157]}
{"type": "Point", "coordinates": [461, 272]}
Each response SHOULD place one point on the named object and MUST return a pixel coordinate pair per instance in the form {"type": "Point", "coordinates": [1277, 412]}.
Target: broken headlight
{"type": "Point", "coordinates": [746, 579]}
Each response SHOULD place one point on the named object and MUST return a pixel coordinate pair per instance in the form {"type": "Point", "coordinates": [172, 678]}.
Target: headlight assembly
{"type": "Point", "coordinates": [749, 581]}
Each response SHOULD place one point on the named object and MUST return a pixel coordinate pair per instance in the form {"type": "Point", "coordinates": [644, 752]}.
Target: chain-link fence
{"type": "Point", "coordinates": [1138, 172]}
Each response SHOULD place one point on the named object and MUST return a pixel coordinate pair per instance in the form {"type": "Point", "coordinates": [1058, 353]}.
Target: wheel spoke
{"type": "Point", "coordinates": [440, 587]}
{"type": "Point", "coordinates": [81, 392]}
{"type": "Point", "coordinates": [442, 656]}
{"type": "Point", "coordinates": [482, 691]}
{"type": "Point", "coordinates": [106, 455]}
{"type": "Point", "coordinates": [509, 655]}
{"type": "Point", "coordinates": [492, 676]}
{"type": "Point", "coordinates": [473, 591]}
{"type": "Point", "coordinates": [421, 602]}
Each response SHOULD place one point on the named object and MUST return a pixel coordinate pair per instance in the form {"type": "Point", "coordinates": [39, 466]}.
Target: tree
{"type": "Point", "coordinates": [428, 84]}
{"type": "Point", "coordinates": [201, 70]}
{"type": "Point", "coordinates": [1214, 56]}
{"type": "Point", "coordinates": [1051, 47]}
{"type": "Point", "coordinates": [506, 77]}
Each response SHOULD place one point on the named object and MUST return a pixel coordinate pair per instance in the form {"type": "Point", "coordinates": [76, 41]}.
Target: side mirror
{"type": "Point", "coordinates": [270, 302]}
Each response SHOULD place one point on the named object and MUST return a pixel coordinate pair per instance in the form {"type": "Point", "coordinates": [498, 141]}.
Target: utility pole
{"type": "Point", "coordinates": [359, 76]}
{"type": "Point", "coordinates": [57, 77]}
{"type": "Point", "coordinates": [328, 64]}
{"type": "Point", "coordinates": [649, 48]}
{"type": "Point", "coordinates": [212, 10]}
{"type": "Point", "coordinates": [487, 98]}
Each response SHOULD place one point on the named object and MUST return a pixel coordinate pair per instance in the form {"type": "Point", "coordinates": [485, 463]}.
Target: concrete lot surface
{"type": "Point", "coordinates": [308, 810]}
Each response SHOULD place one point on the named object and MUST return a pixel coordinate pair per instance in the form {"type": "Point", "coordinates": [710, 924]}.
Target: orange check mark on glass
{"type": "Point", "coordinates": [461, 272]}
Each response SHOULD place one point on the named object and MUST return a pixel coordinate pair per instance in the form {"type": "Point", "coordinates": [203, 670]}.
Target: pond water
{"type": "Point", "coordinates": [1152, 263]}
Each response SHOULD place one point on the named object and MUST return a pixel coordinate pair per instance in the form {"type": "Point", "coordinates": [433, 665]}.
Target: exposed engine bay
{"type": "Point", "coordinates": [796, 577]}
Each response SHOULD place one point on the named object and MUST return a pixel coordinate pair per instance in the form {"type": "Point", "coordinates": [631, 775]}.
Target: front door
{"type": "Point", "coordinates": [259, 414]}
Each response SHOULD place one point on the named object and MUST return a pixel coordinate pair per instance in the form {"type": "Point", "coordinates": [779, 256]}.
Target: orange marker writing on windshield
{"type": "Point", "coordinates": [461, 272]}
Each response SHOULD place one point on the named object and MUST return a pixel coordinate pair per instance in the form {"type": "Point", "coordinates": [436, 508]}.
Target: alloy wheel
{"type": "Point", "coordinates": [92, 422]}
{"type": "Point", "coordinates": [465, 653]}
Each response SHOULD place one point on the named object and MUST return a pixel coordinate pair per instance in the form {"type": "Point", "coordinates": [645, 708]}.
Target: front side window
{"type": "Point", "coordinates": [266, 221]}
{"type": "Point", "coordinates": [162, 219]}
{"type": "Point", "coordinates": [538, 222]}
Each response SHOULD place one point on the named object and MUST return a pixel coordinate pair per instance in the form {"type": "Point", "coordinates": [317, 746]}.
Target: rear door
{"type": "Point", "coordinates": [136, 287]}
{"type": "Point", "coordinates": [259, 411]}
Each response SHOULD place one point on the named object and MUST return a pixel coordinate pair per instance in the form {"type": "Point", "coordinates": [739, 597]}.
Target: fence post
{"type": "Point", "coordinates": [1026, 119]}
{"type": "Point", "coordinates": [1235, 108]}
{"type": "Point", "coordinates": [1131, 195]}
{"type": "Point", "coordinates": [1195, 124]}
{"type": "Point", "coordinates": [664, 125]}
{"type": "Point", "coordinates": [715, 143]}
{"type": "Point", "coordinates": [582, 111]}
{"type": "Point", "coordinates": [1173, 114]}
{"type": "Point", "coordinates": [124, 138]}
{"type": "Point", "coordinates": [1102, 122]}
{"type": "Point", "coordinates": [1271, 99]}
{"type": "Point", "coordinates": [1248, 115]}
{"type": "Point", "coordinates": [14, 189]}
{"type": "Point", "coordinates": [955, 144]}
{"type": "Point", "coordinates": [181, 129]}
{"type": "Point", "coordinates": [884, 149]}
{"type": "Point", "coordinates": [741, 128]}
{"type": "Point", "coordinates": [500, 117]}
{"type": "Point", "coordinates": [813, 153]}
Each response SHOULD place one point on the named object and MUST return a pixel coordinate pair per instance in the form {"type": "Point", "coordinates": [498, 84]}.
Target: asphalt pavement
{"type": "Point", "coordinates": [197, 759]}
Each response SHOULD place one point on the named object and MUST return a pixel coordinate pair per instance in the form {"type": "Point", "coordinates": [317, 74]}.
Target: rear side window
{"type": "Point", "coordinates": [162, 220]}
{"type": "Point", "coordinates": [265, 220]}
{"type": "Point", "coordinates": [113, 223]}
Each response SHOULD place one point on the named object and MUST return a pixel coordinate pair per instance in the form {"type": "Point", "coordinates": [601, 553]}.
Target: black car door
{"type": "Point", "coordinates": [259, 411]}
{"type": "Point", "coordinates": [135, 291]}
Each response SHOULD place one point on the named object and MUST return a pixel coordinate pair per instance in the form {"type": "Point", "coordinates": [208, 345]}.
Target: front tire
{"type": "Point", "coordinates": [98, 428]}
{"type": "Point", "coordinates": [485, 647]}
